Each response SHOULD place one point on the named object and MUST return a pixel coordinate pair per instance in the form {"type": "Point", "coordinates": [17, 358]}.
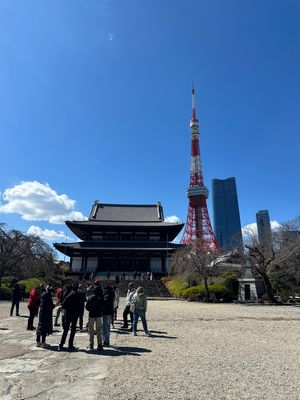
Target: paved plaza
{"type": "Point", "coordinates": [197, 351]}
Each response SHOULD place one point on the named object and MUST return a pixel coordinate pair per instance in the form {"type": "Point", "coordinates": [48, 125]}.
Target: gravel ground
{"type": "Point", "coordinates": [197, 351]}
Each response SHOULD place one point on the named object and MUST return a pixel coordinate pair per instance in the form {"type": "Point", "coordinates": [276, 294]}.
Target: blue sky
{"type": "Point", "coordinates": [95, 103]}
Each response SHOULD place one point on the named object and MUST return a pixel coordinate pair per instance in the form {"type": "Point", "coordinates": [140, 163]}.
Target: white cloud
{"type": "Point", "coordinates": [36, 201]}
{"type": "Point", "coordinates": [48, 234]}
{"type": "Point", "coordinates": [275, 226]}
{"type": "Point", "coordinates": [173, 218]}
{"type": "Point", "coordinates": [251, 229]}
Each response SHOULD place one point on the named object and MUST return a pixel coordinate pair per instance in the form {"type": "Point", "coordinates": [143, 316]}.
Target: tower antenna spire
{"type": "Point", "coordinates": [193, 102]}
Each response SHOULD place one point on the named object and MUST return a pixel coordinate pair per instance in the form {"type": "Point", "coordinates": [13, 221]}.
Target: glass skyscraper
{"type": "Point", "coordinates": [264, 228]}
{"type": "Point", "coordinates": [227, 222]}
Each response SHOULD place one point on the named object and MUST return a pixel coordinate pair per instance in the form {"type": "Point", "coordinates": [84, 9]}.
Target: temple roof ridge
{"type": "Point", "coordinates": [111, 212]}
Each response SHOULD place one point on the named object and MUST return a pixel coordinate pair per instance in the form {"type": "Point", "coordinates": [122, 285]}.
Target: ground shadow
{"type": "Point", "coordinates": [113, 351]}
{"type": "Point", "coordinates": [154, 336]}
{"type": "Point", "coordinates": [123, 332]}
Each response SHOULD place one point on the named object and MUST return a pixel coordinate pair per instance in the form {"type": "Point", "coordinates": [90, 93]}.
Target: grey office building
{"type": "Point", "coordinates": [227, 222]}
{"type": "Point", "coordinates": [264, 228]}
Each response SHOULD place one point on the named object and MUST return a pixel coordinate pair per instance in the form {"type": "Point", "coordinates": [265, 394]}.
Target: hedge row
{"type": "Point", "coordinates": [30, 283]}
{"type": "Point", "coordinates": [179, 288]}
{"type": "Point", "coordinates": [216, 291]}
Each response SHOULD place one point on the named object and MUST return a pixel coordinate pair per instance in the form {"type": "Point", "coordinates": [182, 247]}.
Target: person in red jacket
{"type": "Point", "coordinates": [59, 300]}
{"type": "Point", "coordinates": [33, 307]}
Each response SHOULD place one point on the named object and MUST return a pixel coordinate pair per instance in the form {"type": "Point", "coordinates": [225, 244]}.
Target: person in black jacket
{"type": "Point", "coordinates": [83, 297]}
{"type": "Point", "coordinates": [15, 298]}
{"type": "Point", "coordinates": [94, 306]}
{"type": "Point", "coordinates": [72, 305]}
{"type": "Point", "coordinates": [45, 318]}
{"type": "Point", "coordinates": [108, 312]}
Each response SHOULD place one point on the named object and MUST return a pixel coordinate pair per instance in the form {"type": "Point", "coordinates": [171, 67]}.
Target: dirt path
{"type": "Point", "coordinates": [197, 351]}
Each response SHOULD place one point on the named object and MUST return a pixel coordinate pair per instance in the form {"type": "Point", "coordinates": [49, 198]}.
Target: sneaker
{"type": "Point", "coordinates": [38, 344]}
{"type": "Point", "coordinates": [106, 344]}
{"type": "Point", "coordinates": [90, 347]}
{"type": "Point", "coordinates": [100, 348]}
{"type": "Point", "coordinates": [134, 333]}
{"type": "Point", "coordinates": [45, 346]}
{"type": "Point", "coordinates": [148, 334]}
{"type": "Point", "coordinates": [124, 327]}
{"type": "Point", "coordinates": [60, 347]}
{"type": "Point", "coordinates": [72, 348]}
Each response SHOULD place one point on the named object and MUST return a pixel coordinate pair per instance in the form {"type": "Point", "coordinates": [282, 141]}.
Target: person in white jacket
{"type": "Point", "coordinates": [116, 301]}
{"type": "Point", "coordinates": [130, 293]}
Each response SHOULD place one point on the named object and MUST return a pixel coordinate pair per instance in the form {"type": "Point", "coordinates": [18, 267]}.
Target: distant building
{"type": "Point", "coordinates": [227, 222]}
{"type": "Point", "coordinates": [264, 228]}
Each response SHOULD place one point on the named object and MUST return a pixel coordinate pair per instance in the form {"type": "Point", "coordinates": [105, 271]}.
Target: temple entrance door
{"type": "Point", "coordinates": [141, 264]}
{"type": "Point", "coordinates": [247, 292]}
{"type": "Point", "coordinates": [125, 264]}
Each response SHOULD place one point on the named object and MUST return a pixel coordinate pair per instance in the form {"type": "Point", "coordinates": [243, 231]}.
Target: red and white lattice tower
{"type": "Point", "coordinates": [198, 223]}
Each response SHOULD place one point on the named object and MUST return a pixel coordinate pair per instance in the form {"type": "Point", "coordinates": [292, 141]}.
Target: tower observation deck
{"type": "Point", "coordinates": [198, 224]}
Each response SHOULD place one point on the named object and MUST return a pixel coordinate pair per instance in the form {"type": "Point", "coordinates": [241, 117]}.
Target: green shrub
{"type": "Point", "coordinates": [30, 283]}
{"type": "Point", "coordinates": [8, 279]}
{"type": "Point", "coordinates": [221, 292]}
{"type": "Point", "coordinates": [198, 293]}
{"type": "Point", "coordinates": [165, 279]}
{"type": "Point", "coordinates": [194, 293]}
{"type": "Point", "coordinates": [177, 286]}
{"type": "Point", "coordinates": [5, 292]}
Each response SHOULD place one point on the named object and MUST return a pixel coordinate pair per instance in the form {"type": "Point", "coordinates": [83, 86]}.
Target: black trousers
{"type": "Point", "coordinates": [32, 314]}
{"type": "Point", "coordinates": [13, 304]}
{"type": "Point", "coordinates": [125, 316]}
{"type": "Point", "coordinates": [39, 336]}
{"type": "Point", "coordinates": [69, 323]}
{"type": "Point", "coordinates": [81, 319]}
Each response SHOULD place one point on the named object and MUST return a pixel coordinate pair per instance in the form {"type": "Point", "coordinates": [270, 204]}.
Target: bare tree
{"type": "Point", "coordinates": [196, 257]}
{"type": "Point", "coordinates": [277, 259]}
{"type": "Point", "coordinates": [262, 260]}
{"type": "Point", "coordinates": [38, 257]}
{"type": "Point", "coordinates": [24, 255]}
{"type": "Point", "coordinates": [10, 250]}
{"type": "Point", "coordinates": [287, 245]}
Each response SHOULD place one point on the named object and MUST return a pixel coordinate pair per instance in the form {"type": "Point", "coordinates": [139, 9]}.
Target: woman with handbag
{"type": "Point", "coordinates": [139, 309]}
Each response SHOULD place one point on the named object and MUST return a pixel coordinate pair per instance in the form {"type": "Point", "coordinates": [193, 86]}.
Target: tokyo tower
{"type": "Point", "coordinates": [198, 223]}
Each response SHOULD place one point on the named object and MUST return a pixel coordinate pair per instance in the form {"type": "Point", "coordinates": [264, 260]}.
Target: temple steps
{"type": "Point", "coordinates": [154, 288]}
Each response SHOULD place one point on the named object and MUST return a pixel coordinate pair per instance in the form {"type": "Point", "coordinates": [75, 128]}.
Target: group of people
{"type": "Point", "coordinates": [101, 303]}
{"type": "Point", "coordinates": [136, 307]}
{"type": "Point", "coordinates": [136, 275]}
